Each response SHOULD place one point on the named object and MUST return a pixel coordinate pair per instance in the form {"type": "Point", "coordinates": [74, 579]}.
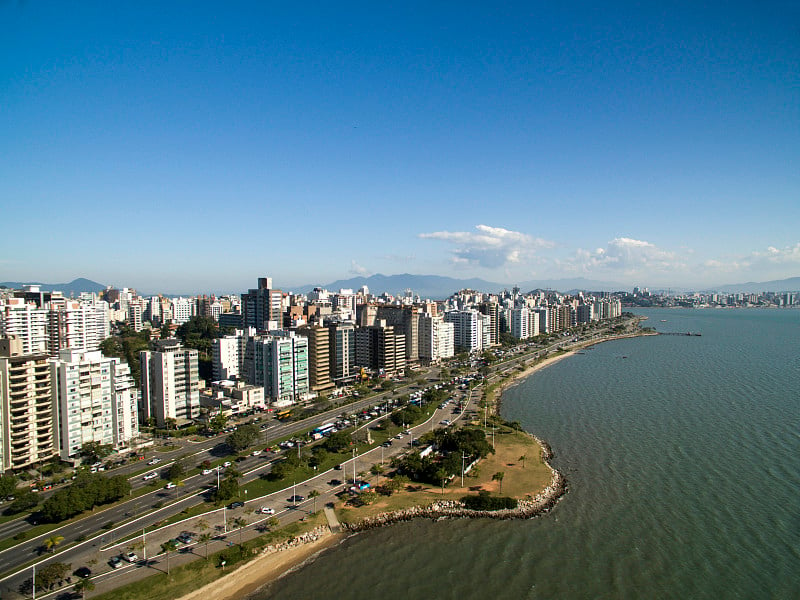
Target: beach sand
{"type": "Point", "coordinates": [247, 578]}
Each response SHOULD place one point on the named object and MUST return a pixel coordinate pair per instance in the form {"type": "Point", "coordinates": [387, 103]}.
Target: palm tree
{"type": "Point", "coordinates": [522, 459]}
{"type": "Point", "coordinates": [240, 523]}
{"type": "Point", "coordinates": [53, 541]}
{"type": "Point", "coordinates": [83, 585]}
{"type": "Point", "coordinates": [204, 538]}
{"type": "Point", "coordinates": [313, 494]}
{"type": "Point", "coordinates": [442, 475]}
{"type": "Point", "coordinates": [499, 477]}
{"type": "Point", "coordinates": [167, 547]}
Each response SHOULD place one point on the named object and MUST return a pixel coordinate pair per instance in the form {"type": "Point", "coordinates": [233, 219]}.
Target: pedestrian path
{"type": "Point", "coordinates": [333, 522]}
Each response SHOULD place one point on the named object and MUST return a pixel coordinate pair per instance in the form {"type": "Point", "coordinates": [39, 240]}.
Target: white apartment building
{"type": "Point", "coordinates": [520, 323]}
{"type": "Point", "coordinates": [170, 382]}
{"type": "Point", "coordinates": [27, 322]}
{"type": "Point", "coordinates": [125, 404]}
{"type": "Point", "coordinates": [83, 390]}
{"type": "Point", "coordinates": [281, 366]}
{"type": "Point", "coordinates": [468, 329]}
{"type": "Point", "coordinates": [436, 338]}
{"type": "Point", "coordinates": [225, 357]}
{"type": "Point", "coordinates": [182, 310]}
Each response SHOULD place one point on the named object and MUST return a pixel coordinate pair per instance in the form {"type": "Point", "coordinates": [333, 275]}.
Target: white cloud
{"type": "Point", "coordinates": [759, 261]}
{"type": "Point", "coordinates": [632, 257]}
{"type": "Point", "coordinates": [489, 247]}
{"type": "Point", "coordinates": [357, 269]}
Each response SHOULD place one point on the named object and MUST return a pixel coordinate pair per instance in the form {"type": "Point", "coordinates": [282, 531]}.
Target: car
{"type": "Point", "coordinates": [83, 572]}
{"type": "Point", "coordinates": [154, 461]}
{"type": "Point", "coordinates": [256, 452]}
{"type": "Point", "coordinates": [266, 510]}
{"type": "Point", "coordinates": [338, 467]}
{"type": "Point", "coordinates": [152, 475]}
{"type": "Point", "coordinates": [131, 557]}
{"type": "Point", "coordinates": [208, 471]}
{"type": "Point", "coordinates": [445, 422]}
{"type": "Point", "coordinates": [297, 498]}
{"type": "Point", "coordinates": [226, 464]}
{"type": "Point", "coordinates": [335, 482]}
{"type": "Point", "coordinates": [169, 486]}
{"type": "Point", "coordinates": [233, 505]}
{"type": "Point", "coordinates": [185, 537]}
{"type": "Point", "coordinates": [399, 436]}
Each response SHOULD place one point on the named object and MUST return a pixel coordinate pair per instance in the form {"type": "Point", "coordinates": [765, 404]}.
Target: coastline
{"type": "Point", "coordinates": [272, 564]}
{"type": "Point", "coordinates": [275, 563]}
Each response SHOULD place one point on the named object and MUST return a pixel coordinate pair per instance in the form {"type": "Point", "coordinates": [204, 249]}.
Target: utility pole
{"type": "Point", "coordinates": [144, 545]}
{"type": "Point", "coordinates": [33, 587]}
{"type": "Point", "coordinates": [463, 456]}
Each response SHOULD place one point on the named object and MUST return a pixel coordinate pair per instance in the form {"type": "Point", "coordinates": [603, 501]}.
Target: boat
{"type": "Point", "coordinates": [663, 320]}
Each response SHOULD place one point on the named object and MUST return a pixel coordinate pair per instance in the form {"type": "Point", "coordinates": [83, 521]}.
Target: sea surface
{"type": "Point", "coordinates": [683, 461]}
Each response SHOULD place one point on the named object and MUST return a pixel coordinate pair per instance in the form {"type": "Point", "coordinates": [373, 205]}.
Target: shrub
{"type": "Point", "coordinates": [486, 502]}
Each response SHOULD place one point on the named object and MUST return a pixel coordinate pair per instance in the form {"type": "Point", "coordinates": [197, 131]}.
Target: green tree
{"type": "Point", "coordinates": [240, 524]}
{"type": "Point", "coordinates": [83, 585]}
{"type": "Point", "coordinates": [499, 476]}
{"type": "Point", "coordinates": [176, 470]}
{"type": "Point", "coordinates": [166, 548]}
{"type": "Point", "coordinates": [8, 485]}
{"type": "Point", "coordinates": [313, 494]}
{"type": "Point", "coordinates": [242, 438]}
{"type": "Point", "coordinates": [53, 541]}
{"type": "Point", "coordinates": [24, 500]}
{"type": "Point", "coordinates": [205, 538]}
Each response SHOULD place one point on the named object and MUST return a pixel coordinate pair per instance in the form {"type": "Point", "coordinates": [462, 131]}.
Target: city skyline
{"type": "Point", "coordinates": [182, 148]}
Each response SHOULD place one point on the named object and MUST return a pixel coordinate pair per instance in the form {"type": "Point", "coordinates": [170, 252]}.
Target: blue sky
{"type": "Point", "coordinates": [193, 146]}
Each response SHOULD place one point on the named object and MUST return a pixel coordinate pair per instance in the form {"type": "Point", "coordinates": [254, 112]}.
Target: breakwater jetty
{"type": "Point", "coordinates": [684, 333]}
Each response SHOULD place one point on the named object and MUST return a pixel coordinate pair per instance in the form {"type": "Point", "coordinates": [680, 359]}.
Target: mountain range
{"type": "Point", "coordinates": [73, 287]}
{"type": "Point", "coordinates": [437, 287]}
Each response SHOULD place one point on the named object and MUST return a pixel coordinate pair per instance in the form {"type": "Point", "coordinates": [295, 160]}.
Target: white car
{"type": "Point", "coordinates": [256, 452]}
{"type": "Point", "coordinates": [130, 557]}
{"type": "Point", "coordinates": [208, 471]}
{"type": "Point", "coordinates": [150, 476]}
{"type": "Point", "coordinates": [154, 461]}
{"type": "Point", "coordinates": [226, 464]}
{"type": "Point", "coordinates": [266, 510]}
{"type": "Point", "coordinates": [169, 486]}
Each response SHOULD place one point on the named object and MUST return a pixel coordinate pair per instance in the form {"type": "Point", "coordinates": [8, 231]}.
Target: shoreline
{"type": "Point", "coordinates": [276, 562]}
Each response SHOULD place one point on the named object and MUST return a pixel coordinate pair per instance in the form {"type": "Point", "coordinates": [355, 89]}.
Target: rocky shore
{"type": "Point", "coordinates": [527, 508]}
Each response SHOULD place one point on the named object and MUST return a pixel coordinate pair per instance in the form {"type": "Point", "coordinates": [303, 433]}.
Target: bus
{"type": "Point", "coordinates": [323, 430]}
{"type": "Point", "coordinates": [284, 414]}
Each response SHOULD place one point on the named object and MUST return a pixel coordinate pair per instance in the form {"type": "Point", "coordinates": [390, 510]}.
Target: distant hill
{"type": "Point", "coordinates": [792, 284]}
{"type": "Point", "coordinates": [73, 287]}
{"type": "Point", "coordinates": [437, 287]}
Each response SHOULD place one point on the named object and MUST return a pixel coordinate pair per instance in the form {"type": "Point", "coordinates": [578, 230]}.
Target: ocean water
{"type": "Point", "coordinates": [683, 461]}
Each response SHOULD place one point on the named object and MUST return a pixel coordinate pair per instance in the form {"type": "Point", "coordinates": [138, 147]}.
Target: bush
{"type": "Point", "coordinates": [486, 502]}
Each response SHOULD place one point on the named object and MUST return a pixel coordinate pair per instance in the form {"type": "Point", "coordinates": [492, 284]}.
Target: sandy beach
{"type": "Point", "coordinates": [268, 567]}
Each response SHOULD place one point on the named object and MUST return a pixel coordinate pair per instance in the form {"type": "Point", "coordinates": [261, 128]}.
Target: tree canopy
{"type": "Point", "coordinates": [242, 438]}
{"type": "Point", "coordinates": [87, 491]}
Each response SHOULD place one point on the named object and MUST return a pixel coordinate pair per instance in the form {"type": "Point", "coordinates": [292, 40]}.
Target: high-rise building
{"type": "Point", "coordinates": [436, 338]}
{"type": "Point", "coordinates": [28, 421]}
{"type": "Point", "coordinates": [318, 356]}
{"type": "Point", "coordinates": [280, 365]}
{"type": "Point", "coordinates": [262, 305]}
{"type": "Point", "coordinates": [170, 382]}
{"type": "Point", "coordinates": [26, 322]}
{"type": "Point", "coordinates": [341, 351]}
{"type": "Point", "coordinates": [124, 404]}
{"type": "Point", "coordinates": [406, 320]}
{"type": "Point", "coordinates": [520, 323]}
{"type": "Point", "coordinates": [381, 347]}
{"type": "Point", "coordinates": [492, 310]}
{"type": "Point", "coordinates": [468, 331]}
{"type": "Point", "coordinates": [225, 357]}
{"type": "Point", "coordinates": [83, 388]}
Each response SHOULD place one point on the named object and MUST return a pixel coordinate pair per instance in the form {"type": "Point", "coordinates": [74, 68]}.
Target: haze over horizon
{"type": "Point", "coordinates": [189, 146]}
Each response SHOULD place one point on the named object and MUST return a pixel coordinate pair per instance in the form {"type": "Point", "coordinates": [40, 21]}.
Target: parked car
{"type": "Point", "coordinates": [233, 505]}
{"type": "Point", "coordinates": [297, 498]}
{"type": "Point", "coordinates": [131, 557]}
{"type": "Point", "coordinates": [83, 572]}
{"type": "Point", "coordinates": [186, 537]}
{"type": "Point", "coordinates": [115, 562]}
{"type": "Point", "coordinates": [266, 510]}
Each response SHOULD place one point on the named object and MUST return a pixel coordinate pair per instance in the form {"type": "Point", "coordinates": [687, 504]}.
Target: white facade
{"type": "Point", "coordinates": [281, 367]}
{"type": "Point", "coordinates": [520, 323]}
{"type": "Point", "coordinates": [468, 329]}
{"type": "Point", "coordinates": [125, 404]}
{"type": "Point", "coordinates": [83, 389]}
{"type": "Point", "coordinates": [170, 382]}
{"type": "Point", "coordinates": [28, 323]}
{"type": "Point", "coordinates": [225, 357]}
{"type": "Point", "coordinates": [182, 310]}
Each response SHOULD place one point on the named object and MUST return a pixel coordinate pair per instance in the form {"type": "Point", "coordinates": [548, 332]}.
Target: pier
{"type": "Point", "coordinates": [689, 333]}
